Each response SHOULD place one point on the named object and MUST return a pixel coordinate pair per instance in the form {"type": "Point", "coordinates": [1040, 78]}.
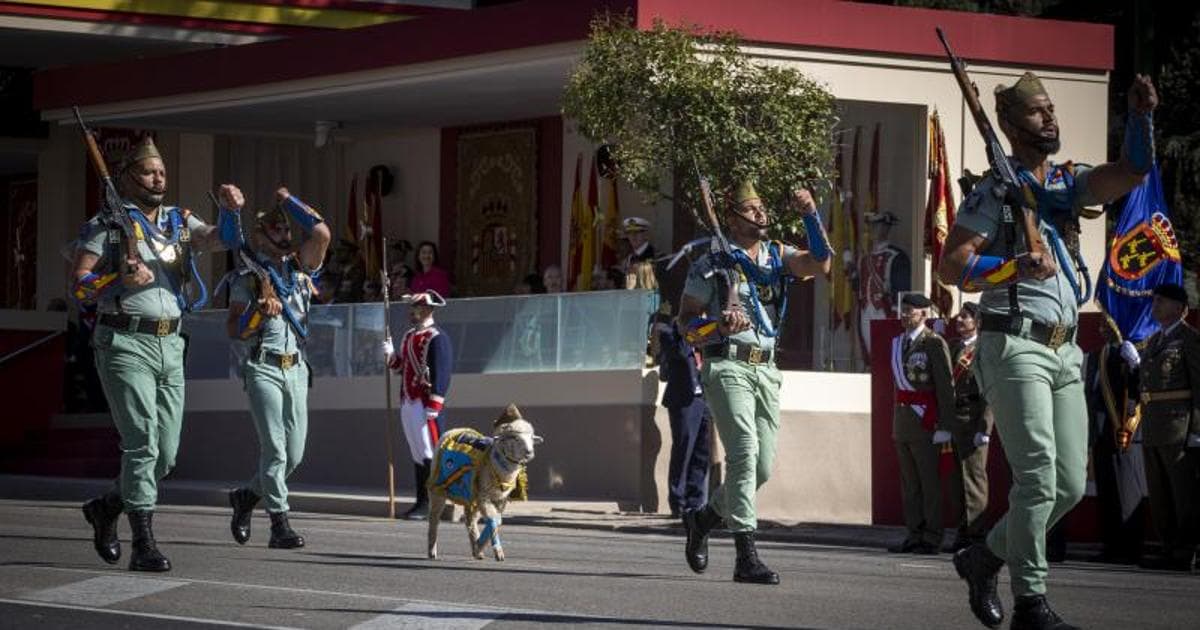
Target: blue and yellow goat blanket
{"type": "Point", "coordinates": [460, 459]}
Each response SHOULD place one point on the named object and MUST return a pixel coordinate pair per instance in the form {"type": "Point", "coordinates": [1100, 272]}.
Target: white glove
{"type": "Point", "coordinates": [388, 348]}
{"type": "Point", "coordinates": [981, 439]}
{"type": "Point", "coordinates": [1193, 440]}
{"type": "Point", "coordinates": [1130, 354]}
{"type": "Point", "coordinates": [941, 437]}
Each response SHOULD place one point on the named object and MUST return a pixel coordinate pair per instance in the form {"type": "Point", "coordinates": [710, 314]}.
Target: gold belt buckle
{"type": "Point", "coordinates": [164, 328]}
{"type": "Point", "coordinates": [1058, 336]}
{"type": "Point", "coordinates": [286, 361]}
{"type": "Point", "coordinates": [756, 355]}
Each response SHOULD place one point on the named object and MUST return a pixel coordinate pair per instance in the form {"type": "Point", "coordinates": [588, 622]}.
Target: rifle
{"type": "Point", "coordinates": [387, 384]}
{"type": "Point", "coordinates": [1008, 185]}
{"type": "Point", "coordinates": [113, 209]}
{"type": "Point", "coordinates": [245, 259]}
{"type": "Point", "coordinates": [719, 244]}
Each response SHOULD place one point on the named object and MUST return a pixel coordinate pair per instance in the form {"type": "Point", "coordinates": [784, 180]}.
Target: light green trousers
{"type": "Point", "coordinates": [142, 377]}
{"type": "Point", "coordinates": [744, 400]}
{"type": "Point", "coordinates": [1036, 396]}
{"type": "Point", "coordinates": [279, 406]}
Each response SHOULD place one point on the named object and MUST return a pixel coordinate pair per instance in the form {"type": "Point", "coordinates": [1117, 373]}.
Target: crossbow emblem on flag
{"type": "Point", "coordinates": [1133, 255]}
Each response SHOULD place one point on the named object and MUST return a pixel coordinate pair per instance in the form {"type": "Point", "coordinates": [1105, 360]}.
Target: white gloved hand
{"type": "Point", "coordinates": [388, 348]}
{"type": "Point", "coordinates": [1130, 354]}
{"type": "Point", "coordinates": [941, 437]}
{"type": "Point", "coordinates": [1193, 440]}
{"type": "Point", "coordinates": [981, 439]}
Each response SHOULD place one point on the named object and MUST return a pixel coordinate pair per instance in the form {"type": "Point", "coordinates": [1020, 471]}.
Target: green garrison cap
{"type": "Point", "coordinates": [143, 150]}
{"type": "Point", "coordinates": [1027, 86]}
{"type": "Point", "coordinates": [744, 192]}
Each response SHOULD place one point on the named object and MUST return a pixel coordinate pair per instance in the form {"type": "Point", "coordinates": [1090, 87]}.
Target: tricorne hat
{"type": "Point", "coordinates": [429, 297]}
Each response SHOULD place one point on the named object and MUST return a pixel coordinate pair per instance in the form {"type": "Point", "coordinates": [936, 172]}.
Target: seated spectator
{"type": "Point", "coordinates": [428, 275]}
{"type": "Point", "coordinates": [552, 279]}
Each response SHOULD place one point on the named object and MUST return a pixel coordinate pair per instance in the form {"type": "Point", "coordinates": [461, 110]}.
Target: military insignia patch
{"type": "Point", "coordinates": [1140, 250]}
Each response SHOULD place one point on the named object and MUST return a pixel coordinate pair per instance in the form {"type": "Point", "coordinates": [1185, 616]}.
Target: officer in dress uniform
{"type": "Point", "coordinates": [425, 363]}
{"type": "Point", "coordinates": [1028, 364]}
{"type": "Point", "coordinates": [972, 431]}
{"type": "Point", "coordinates": [1170, 382]}
{"type": "Point", "coordinates": [636, 231]}
{"type": "Point", "coordinates": [741, 382]}
{"type": "Point", "coordinates": [139, 351]}
{"type": "Point", "coordinates": [921, 422]}
{"type": "Point", "coordinates": [268, 322]}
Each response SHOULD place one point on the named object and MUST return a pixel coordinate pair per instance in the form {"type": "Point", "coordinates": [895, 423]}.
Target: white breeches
{"type": "Point", "coordinates": [416, 431]}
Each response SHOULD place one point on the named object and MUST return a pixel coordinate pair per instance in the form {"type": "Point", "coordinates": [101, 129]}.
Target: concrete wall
{"type": "Point", "coordinates": [606, 439]}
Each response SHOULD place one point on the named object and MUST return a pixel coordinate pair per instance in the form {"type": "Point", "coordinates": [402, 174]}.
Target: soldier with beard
{"type": "Point", "coordinates": [1027, 363]}
{"type": "Point", "coordinates": [139, 351]}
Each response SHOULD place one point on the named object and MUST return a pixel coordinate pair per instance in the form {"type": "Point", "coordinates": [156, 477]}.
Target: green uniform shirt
{"type": "Point", "coordinates": [1050, 301]}
{"type": "Point", "coordinates": [157, 299]}
{"type": "Point", "coordinates": [275, 333]}
{"type": "Point", "coordinates": [702, 286]}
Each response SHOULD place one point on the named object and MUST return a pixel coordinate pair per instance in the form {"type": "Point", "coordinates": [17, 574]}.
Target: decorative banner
{"type": "Point", "coordinates": [939, 214]}
{"type": "Point", "coordinates": [842, 239]}
{"type": "Point", "coordinates": [1144, 254]}
{"type": "Point", "coordinates": [579, 270]}
{"type": "Point", "coordinates": [497, 201]}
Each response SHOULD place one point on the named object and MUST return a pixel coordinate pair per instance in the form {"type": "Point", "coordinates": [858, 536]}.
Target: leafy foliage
{"type": "Point", "coordinates": [1179, 143]}
{"type": "Point", "coordinates": [678, 100]}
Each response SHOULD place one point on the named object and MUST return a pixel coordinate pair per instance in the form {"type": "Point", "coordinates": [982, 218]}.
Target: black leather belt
{"type": "Point", "coordinates": [1050, 335]}
{"type": "Point", "coordinates": [133, 323]}
{"type": "Point", "coordinates": [750, 354]}
{"type": "Point", "coordinates": [281, 361]}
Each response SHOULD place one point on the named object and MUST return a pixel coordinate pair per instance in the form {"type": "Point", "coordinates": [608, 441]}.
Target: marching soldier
{"type": "Point", "coordinates": [972, 431]}
{"type": "Point", "coordinates": [741, 382]}
{"type": "Point", "coordinates": [1027, 362]}
{"type": "Point", "coordinates": [425, 363]}
{"type": "Point", "coordinates": [924, 408]}
{"type": "Point", "coordinates": [268, 322]}
{"type": "Point", "coordinates": [1170, 382]}
{"type": "Point", "coordinates": [139, 351]}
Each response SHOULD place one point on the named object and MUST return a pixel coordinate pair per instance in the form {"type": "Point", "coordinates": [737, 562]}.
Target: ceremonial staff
{"type": "Point", "coordinates": [387, 384]}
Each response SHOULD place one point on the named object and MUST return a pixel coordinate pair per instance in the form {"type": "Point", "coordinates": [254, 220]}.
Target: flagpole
{"type": "Point", "coordinates": [387, 385]}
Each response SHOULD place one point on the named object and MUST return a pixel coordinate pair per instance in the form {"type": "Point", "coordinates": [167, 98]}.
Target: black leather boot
{"type": "Point", "coordinates": [697, 524]}
{"type": "Point", "coordinates": [282, 535]}
{"type": "Point", "coordinates": [146, 556]}
{"type": "Point", "coordinates": [102, 513]}
{"type": "Point", "coordinates": [420, 510]}
{"type": "Point", "coordinates": [980, 568]}
{"type": "Point", "coordinates": [242, 501]}
{"type": "Point", "coordinates": [1031, 612]}
{"type": "Point", "coordinates": [749, 568]}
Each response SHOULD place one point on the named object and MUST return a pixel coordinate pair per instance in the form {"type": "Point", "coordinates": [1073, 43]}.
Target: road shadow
{"type": "Point", "coordinates": [540, 617]}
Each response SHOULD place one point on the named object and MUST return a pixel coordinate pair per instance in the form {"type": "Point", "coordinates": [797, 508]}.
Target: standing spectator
{"type": "Point", "coordinates": [1170, 383]}
{"type": "Point", "coordinates": [637, 232]}
{"type": "Point", "coordinates": [428, 275]}
{"type": "Point", "coordinates": [691, 422]}
{"type": "Point", "coordinates": [924, 398]}
{"type": "Point", "coordinates": [972, 433]}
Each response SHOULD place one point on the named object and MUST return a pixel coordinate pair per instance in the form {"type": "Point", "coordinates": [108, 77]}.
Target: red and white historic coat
{"type": "Point", "coordinates": [424, 360]}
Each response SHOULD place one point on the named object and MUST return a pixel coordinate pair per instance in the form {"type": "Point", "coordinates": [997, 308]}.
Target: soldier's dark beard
{"type": "Point", "coordinates": [1044, 145]}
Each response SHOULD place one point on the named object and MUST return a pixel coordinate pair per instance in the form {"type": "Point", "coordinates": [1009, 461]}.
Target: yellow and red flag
{"type": "Point", "coordinates": [579, 268]}
{"type": "Point", "coordinates": [841, 240]}
{"type": "Point", "coordinates": [611, 224]}
{"type": "Point", "coordinates": [939, 213]}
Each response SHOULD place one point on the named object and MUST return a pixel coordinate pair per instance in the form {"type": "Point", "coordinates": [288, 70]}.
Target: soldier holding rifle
{"type": "Point", "coordinates": [134, 259]}
{"type": "Point", "coordinates": [733, 306]}
{"type": "Point", "coordinates": [1004, 245]}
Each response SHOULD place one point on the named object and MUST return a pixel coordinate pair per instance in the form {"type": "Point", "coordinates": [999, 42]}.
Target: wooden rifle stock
{"type": "Point", "coordinates": [114, 208]}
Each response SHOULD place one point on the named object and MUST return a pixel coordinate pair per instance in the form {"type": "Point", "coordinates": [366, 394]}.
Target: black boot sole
{"type": "Point", "coordinates": [961, 570]}
{"type": "Point", "coordinates": [110, 558]}
{"type": "Point", "coordinates": [151, 568]}
{"type": "Point", "coordinates": [286, 544]}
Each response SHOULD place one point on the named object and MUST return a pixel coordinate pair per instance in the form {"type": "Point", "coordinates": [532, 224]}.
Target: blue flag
{"type": "Point", "coordinates": [1144, 254]}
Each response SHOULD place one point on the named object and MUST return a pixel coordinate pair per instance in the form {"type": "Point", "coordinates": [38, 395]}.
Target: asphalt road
{"type": "Point", "coordinates": [372, 573]}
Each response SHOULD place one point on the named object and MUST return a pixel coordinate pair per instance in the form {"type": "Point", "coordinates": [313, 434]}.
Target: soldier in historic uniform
{"type": "Point", "coordinates": [972, 429]}
{"type": "Point", "coordinates": [1028, 364]}
{"type": "Point", "coordinates": [1170, 383]}
{"type": "Point", "coordinates": [268, 322]}
{"type": "Point", "coordinates": [882, 273]}
{"type": "Point", "coordinates": [741, 382]}
{"type": "Point", "coordinates": [139, 351]}
{"type": "Point", "coordinates": [921, 423]}
{"type": "Point", "coordinates": [425, 363]}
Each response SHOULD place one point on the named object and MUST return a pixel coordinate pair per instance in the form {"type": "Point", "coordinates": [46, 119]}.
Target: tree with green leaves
{"type": "Point", "coordinates": [680, 101]}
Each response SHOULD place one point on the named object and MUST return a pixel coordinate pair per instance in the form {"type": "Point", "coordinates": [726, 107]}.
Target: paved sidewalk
{"type": "Point", "coordinates": [596, 515]}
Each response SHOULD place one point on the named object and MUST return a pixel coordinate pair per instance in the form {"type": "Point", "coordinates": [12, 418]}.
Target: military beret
{"type": "Point", "coordinates": [1172, 291]}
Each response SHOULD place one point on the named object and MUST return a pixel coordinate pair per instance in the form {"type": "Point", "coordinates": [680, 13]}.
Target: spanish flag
{"type": "Point", "coordinates": [939, 213]}
{"type": "Point", "coordinates": [579, 272]}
